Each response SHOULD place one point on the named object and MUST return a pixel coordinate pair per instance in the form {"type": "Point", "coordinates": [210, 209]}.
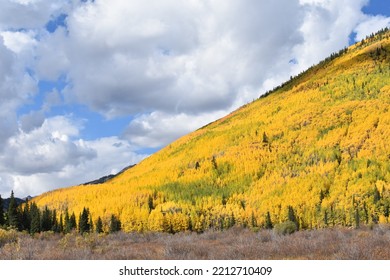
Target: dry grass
{"type": "Point", "coordinates": [236, 243]}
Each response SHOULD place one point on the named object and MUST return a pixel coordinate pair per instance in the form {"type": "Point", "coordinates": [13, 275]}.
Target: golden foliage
{"type": "Point", "coordinates": [319, 144]}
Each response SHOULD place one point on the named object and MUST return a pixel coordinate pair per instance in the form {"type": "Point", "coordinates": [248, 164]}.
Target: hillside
{"type": "Point", "coordinates": [316, 149]}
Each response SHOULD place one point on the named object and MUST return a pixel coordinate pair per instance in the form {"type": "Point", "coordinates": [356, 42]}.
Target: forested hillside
{"type": "Point", "coordinates": [314, 151]}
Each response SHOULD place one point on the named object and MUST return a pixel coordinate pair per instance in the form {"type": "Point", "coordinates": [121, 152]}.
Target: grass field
{"type": "Point", "coordinates": [236, 243]}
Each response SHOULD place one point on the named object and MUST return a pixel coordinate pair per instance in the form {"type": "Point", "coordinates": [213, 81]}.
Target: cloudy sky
{"type": "Point", "coordinates": [89, 87]}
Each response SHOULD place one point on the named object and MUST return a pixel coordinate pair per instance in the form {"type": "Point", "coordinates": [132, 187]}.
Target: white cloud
{"type": "Point", "coordinates": [112, 155]}
{"type": "Point", "coordinates": [52, 61]}
{"type": "Point", "coordinates": [18, 41]}
{"type": "Point", "coordinates": [52, 156]}
{"type": "Point", "coordinates": [45, 149]}
{"type": "Point", "coordinates": [159, 128]}
{"type": "Point", "coordinates": [173, 66]}
{"type": "Point", "coordinates": [28, 14]}
{"type": "Point", "coordinates": [16, 87]}
{"type": "Point", "coordinates": [371, 24]}
{"type": "Point", "coordinates": [326, 29]}
{"type": "Point", "coordinates": [189, 57]}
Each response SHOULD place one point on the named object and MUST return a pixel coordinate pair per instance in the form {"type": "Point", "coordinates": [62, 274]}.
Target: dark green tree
{"type": "Point", "coordinates": [72, 222]}
{"type": "Point", "coordinates": [69, 222]}
{"type": "Point", "coordinates": [54, 221]}
{"type": "Point", "coordinates": [265, 138]}
{"type": "Point", "coordinates": [2, 220]}
{"type": "Point", "coordinates": [91, 225]}
{"type": "Point", "coordinates": [214, 163]}
{"type": "Point", "coordinates": [61, 224]}
{"type": "Point", "coordinates": [150, 203]}
{"type": "Point", "coordinates": [35, 217]}
{"type": "Point", "coordinates": [99, 225]}
{"type": "Point", "coordinates": [253, 221]}
{"type": "Point", "coordinates": [357, 218]}
{"type": "Point", "coordinates": [377, 195]}
{"type": "Point", "coordinates": [268, 221]}
{"type": "Point", "coordinates": [12, 213]}
{"type": "Point", "coordinates": [292, 217]}
{"type": "Point", "coordinates": [115, 224]}
{"type": "Point", "coordinates": [326, 218]}
{"type": "Point", "coordinates": [67, 228]}
{"type": "Point", "coordinates": [46, 220]}
{"type": "Point", "coordinates": [84, 224]}
{"type": "Point", "coordinates": [25, 217]}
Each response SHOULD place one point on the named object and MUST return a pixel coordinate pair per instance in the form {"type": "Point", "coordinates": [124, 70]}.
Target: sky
{"type": "Point", "coordinates": [90, 87]}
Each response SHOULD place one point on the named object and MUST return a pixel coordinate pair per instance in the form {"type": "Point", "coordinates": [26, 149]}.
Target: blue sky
{"type": "Point", "coordinates": [89, 87]}
{"type": "Point", "coordinates": [378, 7]}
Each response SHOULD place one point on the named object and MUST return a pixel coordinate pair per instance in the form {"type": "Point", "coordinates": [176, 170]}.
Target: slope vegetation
{"type": "Point", "coordinates": [315, 150]}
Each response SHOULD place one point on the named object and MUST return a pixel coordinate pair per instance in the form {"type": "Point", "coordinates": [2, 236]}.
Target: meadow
{"type": "Point", "coordinates": [365, 243]}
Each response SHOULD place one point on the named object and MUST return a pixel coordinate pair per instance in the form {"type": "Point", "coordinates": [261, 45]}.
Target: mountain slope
{"type": "Point", "coordinates": [316, 148]}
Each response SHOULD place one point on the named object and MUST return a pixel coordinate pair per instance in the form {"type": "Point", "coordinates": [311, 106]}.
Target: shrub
{"type": "Point", "coordinates": [8, 236]}
{"type": "Point", "coordinates": [284, 228]}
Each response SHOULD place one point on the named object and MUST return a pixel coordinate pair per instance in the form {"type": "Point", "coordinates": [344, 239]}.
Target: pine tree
{"type": "Point", "coordinates": [84, 225]}
{"type": "Point", "coordinates": [54, 221]}
{"type": "Point", "coordinates": [150, 203]}
{"type": "Point", "coordinates": [72, 222]}
{"type": "Point", "coordinates": [253, 221]}
{"type": "Point", "coordinates": [265, 138]}
{"type": "Point", "coordinates": [61, 224]}
{"type": "Point", "coordinates": [99, 225]}
{"type": "Point", "coordinates": [69, 222]}
{"type": "Point", "coordinates": [214, 163]}
{"type": "Point", "coordinates": [377, 195]}
{"type": "Point", "coordinates": [292, 217]}
{"type": "Point", "coordinates": [357, 218]}
{"type": "Point", "coordinates": [2, 220]}
{"type": "Point", "coordinates": [67, 226]}
{"type": "Point", "coordinates": [25, 217]}
{"type": "Point", "coordinates": [91, 225]}
{"type": "Point", "coordinates": [326, 218]}
{"type": "Point", "coordinates": [268, 221]}
{"type": "Point", "coordinates": [35, 224]}
{"type": "Point", "coordinates": [12, 213]}
{"type": "Point", "coordinates": [115, 224]}
{"type": "Point", "coordinates": [46, 220]}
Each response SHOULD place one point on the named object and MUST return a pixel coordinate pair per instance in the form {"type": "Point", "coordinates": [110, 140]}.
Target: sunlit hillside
{"type": "Point", "coordinates": [315, 150]}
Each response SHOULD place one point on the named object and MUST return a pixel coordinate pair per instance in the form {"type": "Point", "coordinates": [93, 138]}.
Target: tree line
{"type": "Point", "coordinates": [30, 218]}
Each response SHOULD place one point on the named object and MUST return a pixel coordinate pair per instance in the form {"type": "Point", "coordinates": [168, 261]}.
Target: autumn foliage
{"type": "Point", "coordinates": [317, 146]}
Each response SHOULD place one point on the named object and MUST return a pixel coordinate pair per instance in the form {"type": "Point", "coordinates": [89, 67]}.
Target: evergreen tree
{"type": "Point", "coordinates": [326, 218]}
{"type": "Point", "coordinates": [54, 221]}
{"type": "Point", "coordinates": [67, 227]}
{"type": "Point", "coordinates": [35, 224]}
{"type": "Point", "coordinates": [265, 138]}
{"type": "Point", "coordinates": [377, 195]}
{"type": "Point", "coordinates": [150, 203]}
{"type": "Point", "coordinates": [357, 218]}
{"type": "Point", "coordinates": [72, 222]}
{"type": "Point", "coordinates": [253, 222]}
{"type": "Point", "coordinates": [61, 224]}
{"type": "Point", "coordinates": [99, 225]}
{"type": "Point", "coordinates": [268, 221]}
{"type": "Point", "coordinates": [292, 217]}
{"type": "Point", "coordinates": [115, 224]}
{"type": "Point", "coordinates": [25, 217]}
{"type": "Point", "coordinates": [91, 225]}
{"type": "Point", "coordinates": [84, 225]}
{"type": "Point", "coordinates": [12, 213]}
{"type": "Point", "coordinates": [214, 163]}
{"type": "Point", "coordinates": [2, 220]}
{"type": "Point", "coordinates": [46, 220]}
